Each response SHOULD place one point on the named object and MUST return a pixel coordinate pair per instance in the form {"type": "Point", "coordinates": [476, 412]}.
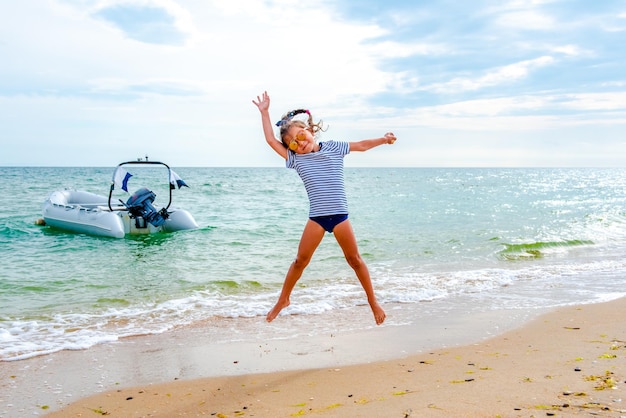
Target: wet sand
{"type": "Point", "coordinates": [568, 362]}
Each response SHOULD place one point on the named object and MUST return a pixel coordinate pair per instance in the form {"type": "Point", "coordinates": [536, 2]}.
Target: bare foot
{"type": "Point", "coordinates": [379, 313]}
{"type": "Point", "coordinates": [276, 310]}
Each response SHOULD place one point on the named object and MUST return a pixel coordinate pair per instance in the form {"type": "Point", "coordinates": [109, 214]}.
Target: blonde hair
{"type": "Point", "coordinates": [287, 121]}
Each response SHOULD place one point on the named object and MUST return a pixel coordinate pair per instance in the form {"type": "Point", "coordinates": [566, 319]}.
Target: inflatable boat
{"type": "Point", "coordinates": [88, 213]}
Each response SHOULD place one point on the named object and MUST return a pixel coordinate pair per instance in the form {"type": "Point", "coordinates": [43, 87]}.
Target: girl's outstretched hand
{"type": "Point", "coordinates": [262, 102]}
{"type": "Point", "coordinates": [390, 137]}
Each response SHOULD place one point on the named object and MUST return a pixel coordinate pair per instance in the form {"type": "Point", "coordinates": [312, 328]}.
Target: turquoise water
{"type": "Point", "coordinates": [498, 238]}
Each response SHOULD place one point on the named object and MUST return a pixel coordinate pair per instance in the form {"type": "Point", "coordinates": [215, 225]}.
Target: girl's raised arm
{"type": "Point", "coordinates": [263, 104]}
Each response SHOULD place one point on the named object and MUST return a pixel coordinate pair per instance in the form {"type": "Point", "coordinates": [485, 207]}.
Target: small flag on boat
{"type": "Point", "coordinates": [175, 180]}
{"type": "Point", "coordinates": [121, 177]}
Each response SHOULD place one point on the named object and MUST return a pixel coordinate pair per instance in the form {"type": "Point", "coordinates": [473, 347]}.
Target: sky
{"type": "Point", "coordinates": [481, 83]}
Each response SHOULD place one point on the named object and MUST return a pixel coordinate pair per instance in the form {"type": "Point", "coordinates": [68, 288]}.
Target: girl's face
{"type": "Point", "coordinates": [300, 140]}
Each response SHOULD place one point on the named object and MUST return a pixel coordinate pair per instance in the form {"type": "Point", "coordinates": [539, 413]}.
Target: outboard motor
{"type": "Point", "coordinates": [140, 205]}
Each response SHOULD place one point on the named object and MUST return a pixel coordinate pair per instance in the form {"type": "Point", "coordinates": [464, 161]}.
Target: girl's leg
{"type": "Point", "coordinates": [311, 238]}
{"type": "Point", "coordinates": [347, 241]}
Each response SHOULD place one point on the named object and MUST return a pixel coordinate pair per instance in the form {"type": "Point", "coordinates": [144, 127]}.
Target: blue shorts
{"type": "Point", "coordinates": [329, 222]}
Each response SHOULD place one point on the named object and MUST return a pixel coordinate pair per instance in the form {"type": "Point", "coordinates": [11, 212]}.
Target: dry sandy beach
{"type": "Point", "coordinates": [569, 362]}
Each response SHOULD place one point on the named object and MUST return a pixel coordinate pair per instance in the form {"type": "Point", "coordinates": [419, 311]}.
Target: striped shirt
{"type": "Point", "coordinates": [322, 175]}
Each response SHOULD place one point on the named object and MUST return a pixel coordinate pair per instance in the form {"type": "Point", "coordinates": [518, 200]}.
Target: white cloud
{"type": "Point", "coordinates": [101, 87]}
{"type": "Point", "coordinates": [502, 75]}
{"type": "Point", "coordinates": [528, 20]}
{"type": "Point", "coordinates": [571, 50]}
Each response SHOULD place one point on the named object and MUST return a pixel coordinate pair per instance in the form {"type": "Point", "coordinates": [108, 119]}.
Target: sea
{"type": "Point", "coordinates": [489, 239]}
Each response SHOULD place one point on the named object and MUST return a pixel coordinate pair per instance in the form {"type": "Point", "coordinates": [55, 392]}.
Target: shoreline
{"type": "Point", "coordinates": [42, 384]}
{"type": "Point", "coordinates": [568, 362]}
{"type": "Point", "coordinates": [519, 372]}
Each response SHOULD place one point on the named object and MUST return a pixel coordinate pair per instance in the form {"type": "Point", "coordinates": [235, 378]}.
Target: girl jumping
{"type": "Point", "coordinates": [320, 166]}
